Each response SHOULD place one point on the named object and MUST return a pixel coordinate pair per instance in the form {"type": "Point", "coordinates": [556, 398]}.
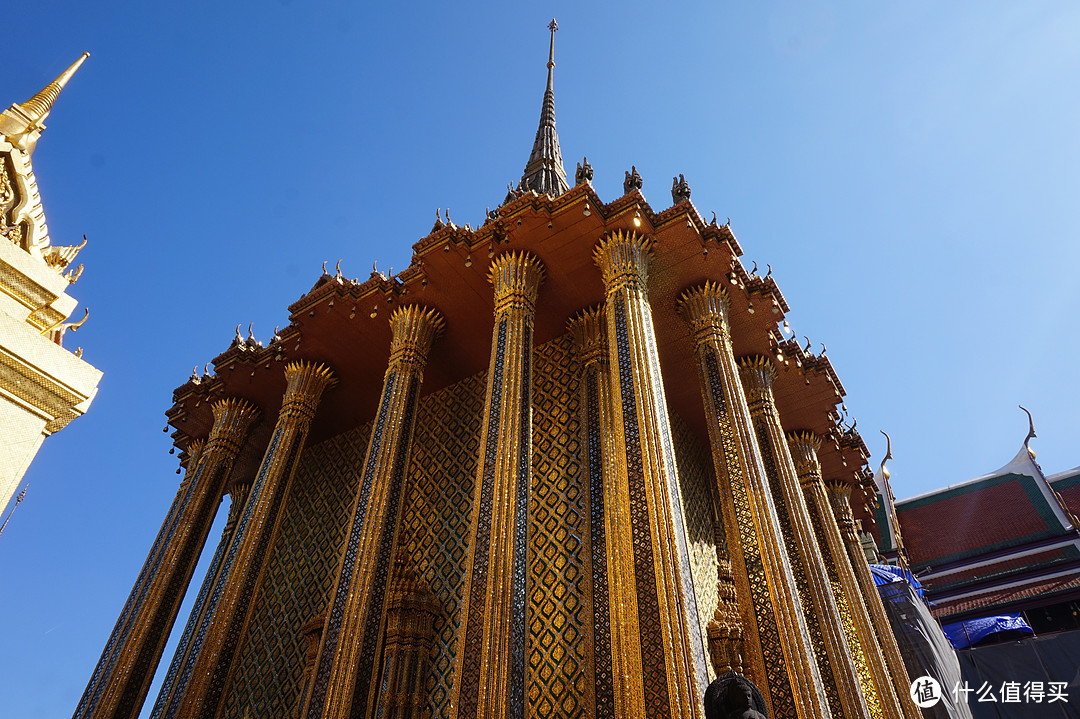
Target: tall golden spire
{"type": "Point", "coordinates": [39, 105]}
{"type": "Point", "coordinates": [544, 171]}
{"type": "Point", "coordinates": [21, 123]}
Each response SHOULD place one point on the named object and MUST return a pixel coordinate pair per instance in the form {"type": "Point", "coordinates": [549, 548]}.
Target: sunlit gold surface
{"type": "Point", "coordinates": [490, 664]}
{"type": "Point", "coordinates": [758, 375]}
{"type": "Point", "coordinates": [654, 613]}
{"type": "Point", "coordinates": [839, 499]}
{"type": "Point", "coordinates": [348, 648]}
{"type": "Point", "coordinates": [706, 310]}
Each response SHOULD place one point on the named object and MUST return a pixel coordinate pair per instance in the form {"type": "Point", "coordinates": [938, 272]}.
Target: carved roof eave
{"type": "Point", "coordinates": [382, 287]}
{"type": "Point", "coordinates": [808, 361]}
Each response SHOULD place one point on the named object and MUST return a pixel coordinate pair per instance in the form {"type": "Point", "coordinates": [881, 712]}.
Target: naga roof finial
{"type": "Point", "coordinates": [1031, 432]}
{"type": "Point", "coordinates": [544, 171]}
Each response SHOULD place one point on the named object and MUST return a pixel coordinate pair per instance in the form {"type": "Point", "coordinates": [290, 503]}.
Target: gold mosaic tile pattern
{"type": "Point", "coordinates": [435, 519]}
{"type": "Point", "coordinates": [560, 620]}
{"type": "Point", "coordinates": [695, 478]}
{"type": "Point", "coordinates": [298, 580]}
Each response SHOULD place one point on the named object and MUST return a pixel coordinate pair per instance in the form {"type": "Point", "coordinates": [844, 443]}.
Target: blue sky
{"type": "Point", "coordinates": [909, 170]}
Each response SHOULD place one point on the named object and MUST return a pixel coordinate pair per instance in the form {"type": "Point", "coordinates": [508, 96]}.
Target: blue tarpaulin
{"type": "Point", "coordinates": [887, 574]}
{"type": "Point", "coordinates": [969, 633]}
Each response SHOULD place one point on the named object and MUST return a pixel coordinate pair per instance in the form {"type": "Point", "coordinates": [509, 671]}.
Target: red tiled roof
{"type": "Point", "coordinates": [1070, 495]}
{"type": "Point", "coordinates": [997, 598]}
{"type": "Point", "coordinates": [974, 519]}
{"type": "Point", "coordinates": [1003, 566]}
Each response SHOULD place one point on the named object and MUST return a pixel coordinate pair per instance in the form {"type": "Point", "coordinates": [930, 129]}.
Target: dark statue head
{"type": "Point", "coordinates": [733, 696]}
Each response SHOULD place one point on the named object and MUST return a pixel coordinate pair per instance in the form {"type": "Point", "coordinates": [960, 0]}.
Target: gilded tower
{"type": "Point", "coordinates": [567, 463]}
{"type": "Point", "coordinates": [43, 386]}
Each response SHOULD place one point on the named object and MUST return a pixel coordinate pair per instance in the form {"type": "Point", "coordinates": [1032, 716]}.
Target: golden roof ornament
{"type": "Point", "coordinates": [22, 124]}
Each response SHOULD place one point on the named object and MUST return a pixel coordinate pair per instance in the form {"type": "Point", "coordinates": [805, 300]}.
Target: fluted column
{"type": "Point", "coordinates": [833, 653]}
{"type": "Point", "coordinates": [840, 499]}
{"type": "Point", "coordinates": [792, 677]}
{"type": "Point", "coordinates": [119, 684]}
{"type": "Point", "coordinates": [238, 491]}
{"type": "Point", "coordinates": [199, 687]}
{"type": "Point", "coordinates": [881, 698]}
{"type": "Point", "coordinates": [345, 682]}
{"type": "Point", "coordinates": [653, 606]}
{"type": "Point", "coordinates": [587, 330]}
{"type": "Point", "coordinates": [490, 673]}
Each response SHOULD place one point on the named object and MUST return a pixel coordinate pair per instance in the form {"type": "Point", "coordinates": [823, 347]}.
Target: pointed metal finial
{"type": "Point", "coordinates": [40, 104]}
{"type": "Point", "coordinates": [544, 171]}
{"type": "Point", "coordinates": [553, 26]}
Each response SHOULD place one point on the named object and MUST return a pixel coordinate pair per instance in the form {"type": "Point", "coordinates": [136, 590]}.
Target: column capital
{"type": "Point", "coordinates": [840, 499]}
{"type": "Point", "coordinates": [516, 277]}
{"type": "Point", "coordinates": [623, 259]}
{"type": "Point", "coordinates": [307, 381]}
{"type": "Point", "coordinates": [705, 309]}
{"type": "Point", "coordinates": [194, 452]}
{"type": "Point", "coordinates": [232, 418]}
{"type": "Point", "coordinates": [839, 487]}
{"type": "Point", "coordinates": [415, 328]}
{"type": "Point", "coordinates": [804, 445]}
{"type": "Point", "coordinates": [587, 329]}
{"type": "Point", "coordinates": [757, 374]}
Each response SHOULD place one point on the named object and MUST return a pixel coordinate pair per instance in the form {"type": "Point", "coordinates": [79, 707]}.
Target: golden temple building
{"type": "Point", "coordinates": [564, 464]}
{"type": "Point", "coordinates": [42, 385]}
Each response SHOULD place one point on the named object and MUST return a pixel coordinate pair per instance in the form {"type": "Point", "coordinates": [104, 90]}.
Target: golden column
{"type": "Point", "coordinates": [866, 653]}
{"type": "Point", "coordinates": [201, 683]}
{"type": "Point", "coordinates": [490, 662]}
{"type": "Point", "coordinates": [587, 330]}
{"type": "Point", "coordinates": [345, 683]}
{"type": "Point", "coordinates": [238, 491]}
{"type": "Point", "coordinates": [658, 653]}
{"type": "Point", "coordinates": [840, 499]}
{"type": "Point", "coordinates": [119, 684]}
{"type": "Point", "coordinates": [822, 616]}
{"type": "Point", "coordinates": [793, 680]}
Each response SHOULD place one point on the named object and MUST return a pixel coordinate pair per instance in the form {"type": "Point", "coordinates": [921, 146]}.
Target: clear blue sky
{"type": "Point", "coordinates": [908, 169]}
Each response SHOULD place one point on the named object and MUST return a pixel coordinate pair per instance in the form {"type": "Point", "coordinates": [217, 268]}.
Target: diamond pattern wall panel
{"type": "Point", "coordinates": [560, 620]}
{"type": "Point", "coordinates": [435, 519]}
{"type": "Point", "coordinates": [298, 580]}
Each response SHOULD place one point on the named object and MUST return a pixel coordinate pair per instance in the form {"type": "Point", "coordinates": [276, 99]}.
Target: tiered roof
{"type": "Point", "coordinates": [1001, 542]}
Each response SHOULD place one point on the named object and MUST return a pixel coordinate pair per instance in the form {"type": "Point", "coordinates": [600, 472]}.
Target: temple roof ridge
{"type": "Point", "coordinates": [544, 172]}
